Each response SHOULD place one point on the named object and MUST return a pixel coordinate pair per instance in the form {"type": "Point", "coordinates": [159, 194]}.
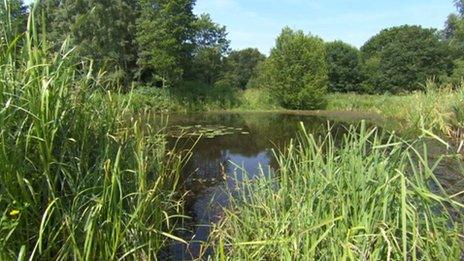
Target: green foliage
{"type": "Point", "coordinates": [211, 45]}
{"type": "Point", "coordinates": [457, 77]}
{"type": "Point", "coordinates": [13, 14]}
{"type": "Point", "coordinates": [436, 110]}
{"type": "Point", "coordinates": [367, 197]}
{"type": "Point", "coordinates": [344, 66]}
{"type": "Point", "coordinates": [164, 33]}
{"type": "Point", "coordinates": [242, 66]}
{"type": "Point", "coordinates": [296, 71]}
{"type": "Point", "coordinates": [198, 96]}
{"type": "Point", "coordinates": [257, 99]}
{"type": "Point", "coordinates": [403, 58]}
{"type": "Point", "coordinates": [80, 178]}
{"type": "Point", "coordinates": [101, 31]}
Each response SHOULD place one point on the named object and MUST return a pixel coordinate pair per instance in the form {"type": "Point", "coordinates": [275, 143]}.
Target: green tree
{"type": "Point", "coordinates": [344, 66]}
{"type": "Point", "coordinates": [165, 30]}
{"type": "Point", "coordinates": [100, 30]}
{"type": "Point", "coordinates": [296, 70]}
{"type": "Point", "coordinates": [403, 58]}
{"type": "Point", "coordinates": [242, 65]}
{"type": "Point", "coordinates": [210, 47]}
{"type": "Point", "coordinates": [13, 18]}
{"type": "Point", "coordinates": [453, 35]}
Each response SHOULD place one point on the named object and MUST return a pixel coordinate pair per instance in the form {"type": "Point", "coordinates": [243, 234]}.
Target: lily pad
{"type": "Point", "coordinates": [209, 132]}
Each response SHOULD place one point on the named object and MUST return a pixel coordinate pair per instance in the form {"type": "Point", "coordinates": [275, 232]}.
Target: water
{"type": "Point", "coordinates": [218, 162]}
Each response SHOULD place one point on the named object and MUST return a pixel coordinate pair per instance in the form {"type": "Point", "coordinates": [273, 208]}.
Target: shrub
{"type": "Point", "coordinates": [296, 71]}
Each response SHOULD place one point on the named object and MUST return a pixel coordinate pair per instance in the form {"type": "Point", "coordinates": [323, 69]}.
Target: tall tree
{"type": "Point", "coordinates": [164, 37]}
{"type": "Point", "coordinates": [210, 47]}
{"type": "Point", "coordinates": [344, 63]}
{"type": "Point", "coordinates": [242, 65]}
{"type": "Point", "coordinates": [100, 30]}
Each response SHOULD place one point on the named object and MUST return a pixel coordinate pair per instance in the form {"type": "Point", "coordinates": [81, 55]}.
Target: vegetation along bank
{"type": "Point", "coordinates": [86, 174]}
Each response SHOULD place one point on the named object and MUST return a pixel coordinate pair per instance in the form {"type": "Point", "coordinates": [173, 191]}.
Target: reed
{"type": "Point", "coordinates": [78, 179]}
{"type": "Point", "coordinates": [437, 109]}
{"type": "Point", "coordinates": [367, 197]}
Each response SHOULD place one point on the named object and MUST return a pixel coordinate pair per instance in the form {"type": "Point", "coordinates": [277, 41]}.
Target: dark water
{"type": "Point", "coordinates": [218, 163]}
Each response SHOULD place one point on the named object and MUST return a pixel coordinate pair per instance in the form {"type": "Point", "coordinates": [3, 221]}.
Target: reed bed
{"type": "Point", "coordinates": [437, 109]}
{"type": "Point", "coordinates": [367, 197]}
{"type": "Point", "coordinates": [79, 180]}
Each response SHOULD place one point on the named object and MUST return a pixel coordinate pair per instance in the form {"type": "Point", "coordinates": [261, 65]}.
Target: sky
{"type": "Point", "coordinates": [257, 23]}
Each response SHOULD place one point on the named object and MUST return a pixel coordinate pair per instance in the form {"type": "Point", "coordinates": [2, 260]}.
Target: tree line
{"type": "Point", "coordinates": [162, 43]}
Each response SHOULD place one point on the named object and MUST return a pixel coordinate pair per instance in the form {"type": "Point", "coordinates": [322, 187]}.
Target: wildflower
{"type": "Point", "coordinates": [14, 212]}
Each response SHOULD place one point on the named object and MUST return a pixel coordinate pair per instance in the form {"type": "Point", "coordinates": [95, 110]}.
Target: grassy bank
{"type": "Point", "coordinates": [78, 179]}
{"type": "Point", "coordinates": [165, 100]}
{"type": "Point", "coordinates": [439, 109]}
{"type": "Point", "coordinates": [366, 198]}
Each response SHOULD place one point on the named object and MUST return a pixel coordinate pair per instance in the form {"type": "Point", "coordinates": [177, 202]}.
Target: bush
{"type": "Point", "coordinates": [153, 98]}
{"type": "Point", "coordinates": [258, 99]}
{"type": "Point", "coordinates": [296, 71]}
{"type": "Point", "coordinates": [193, 95]}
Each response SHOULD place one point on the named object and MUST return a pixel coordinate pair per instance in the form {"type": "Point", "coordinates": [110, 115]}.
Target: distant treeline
{"type": "Point", "coordinates": [162, 43]}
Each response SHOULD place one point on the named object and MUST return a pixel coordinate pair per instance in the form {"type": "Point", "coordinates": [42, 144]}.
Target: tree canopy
{"type": "Point", "coordinates": [164, 36]}
{"type": "Point", "coordinates": [242, 65]}
{"type": "Point", "coordinates": [344, 67]}
{"type": "Point", "coordinates": [163, 43]}
{"type": "Point", "coordinates": [402, 58]}
{"type": "Point", "coordinates": [210, 47]}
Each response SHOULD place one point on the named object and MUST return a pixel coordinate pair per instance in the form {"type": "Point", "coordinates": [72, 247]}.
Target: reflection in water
{"type": "Point", "coordinates": [218, 163]}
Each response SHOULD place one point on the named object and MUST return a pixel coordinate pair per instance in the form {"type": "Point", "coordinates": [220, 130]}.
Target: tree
{"type": "Point", "coordinates": [344, 63]}
{"type": "Point", "coordinates": [453, 34]}
{"type": "Point", "coordinates": [164, 38]}
{"type": "Point", "coordinates": [404, 58]}
{"type": "Point", "coordinates": [296, 70]}
{"type": "Point", "coordinates": [242, 65]}
{"type": "Point", "coordinates": [13, 18]}
{"type": "Point", "coordinates": [210, 47]}
{"type": "Point", "coordinates": [100, 30]}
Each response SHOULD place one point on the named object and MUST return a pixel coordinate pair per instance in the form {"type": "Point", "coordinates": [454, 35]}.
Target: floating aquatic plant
{"type": "Point", "coordinates": [209, 131]}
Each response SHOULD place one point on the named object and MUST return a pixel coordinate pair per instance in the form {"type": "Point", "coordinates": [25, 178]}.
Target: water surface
{"type": "Point", "coordinates": [219, 161]}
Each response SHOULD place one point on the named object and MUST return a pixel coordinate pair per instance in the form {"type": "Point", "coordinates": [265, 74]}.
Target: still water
{"type": "Point", "coordinates": [232, 145]}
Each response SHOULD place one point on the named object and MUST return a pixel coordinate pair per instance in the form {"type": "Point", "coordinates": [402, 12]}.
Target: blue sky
{"type": "Point", "coordinates": [256, 23]}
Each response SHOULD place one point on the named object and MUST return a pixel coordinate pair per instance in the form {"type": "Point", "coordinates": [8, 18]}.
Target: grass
{"type": "Point", "coordinates": [439, 109]}
{"type": "Point", "coordinates": [196, 99]}
{"type": "Point", "coordinates": [368, 197]}
{"type": "Point", "coordinates": [79, 179]}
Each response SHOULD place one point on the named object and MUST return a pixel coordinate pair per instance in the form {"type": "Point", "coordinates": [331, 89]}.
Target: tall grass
{"type": "Point", "coordinates": [78, 180]}
{"type": "Point", "coordinates": [367, 197]}
{"type": "Point", "coordinates": [437, 109]}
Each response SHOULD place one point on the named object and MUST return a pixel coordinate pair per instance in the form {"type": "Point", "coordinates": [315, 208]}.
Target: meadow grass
{"type": "Point", "coordinates": [79, 180]}
{"type": "Point", "coordinates": [366, 197]}
{"type": "Point", "coordinates": [439, 109]}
